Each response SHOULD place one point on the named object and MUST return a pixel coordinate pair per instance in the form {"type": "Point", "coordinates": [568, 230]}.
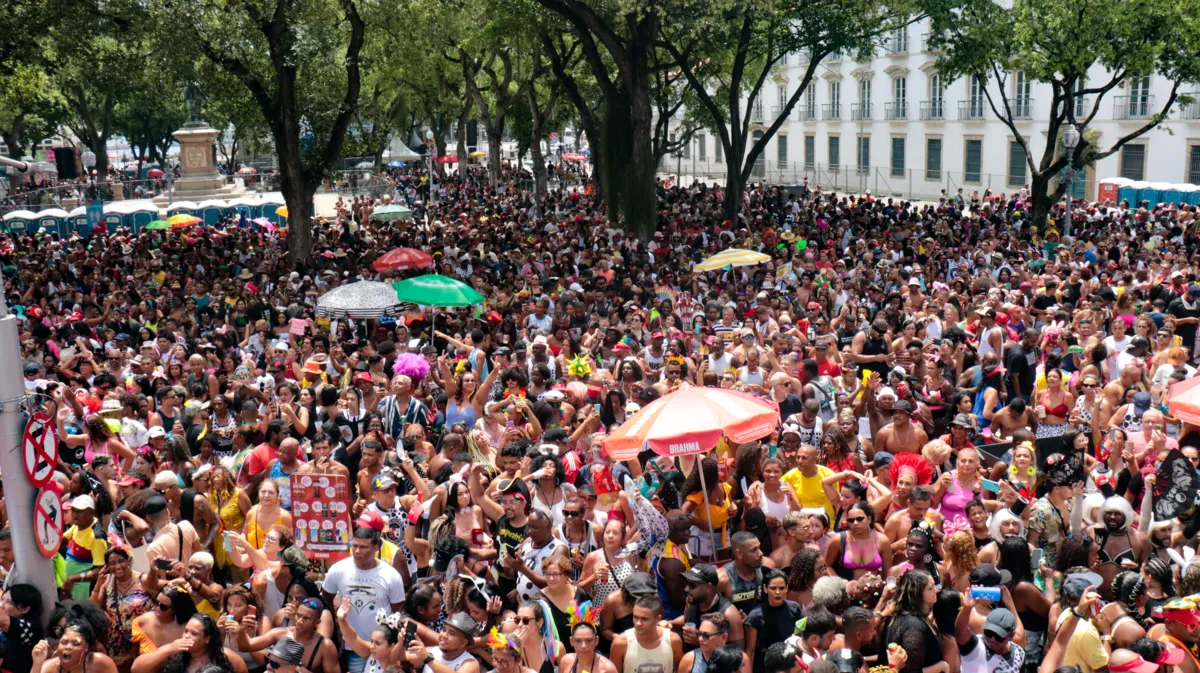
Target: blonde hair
{"type": "Point", "coordinates": [936, 448]}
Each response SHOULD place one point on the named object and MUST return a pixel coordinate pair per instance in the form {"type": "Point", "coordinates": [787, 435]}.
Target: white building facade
{"type": "Point", "coordinates": [896, 126]}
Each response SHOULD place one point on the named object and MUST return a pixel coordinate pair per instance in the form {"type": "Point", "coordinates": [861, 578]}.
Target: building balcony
{"type": "Point", "coordinates": [972, 110]}
{"type": "Point", "coordinates": [896, 44]}
{"type": "Point", "coordinates": [896, 111]}
{"type": "Point", "coordinates": [860, 111]}
{"type": "Point", "coordinates": [808, 113]}
{"type": "Point", "coordinates": [835, 57]}
{"type": "Point", "coordinates": [1081, 107]}
{"type": "Point", "coordinates": [1133, 107]}
{"type": "Point", "coordinates": [831, 112]}
{"type": "Point", "coordinates": [777, 112]}
{"type": "Point", "coordinates": [1022, 109]}
{"type": "Point", "coordinates": [926, 47]}
{"type": "Point", "coordinates": [933, 110]}
{"type": "Point", "coordinates": [1190, 111]}
{"type": "Point", "coordinates": [756, 114]}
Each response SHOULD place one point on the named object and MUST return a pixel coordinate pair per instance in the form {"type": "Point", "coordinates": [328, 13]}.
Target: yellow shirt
{"type": "Point", "coordinates": [1085, 649]}
{"type": "Point", "coordinates": [809, 489]}
{"type": "Point", "coordinates": [84, 547]}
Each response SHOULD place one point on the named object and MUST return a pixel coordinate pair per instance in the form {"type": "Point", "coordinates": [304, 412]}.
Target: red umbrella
{"type": "Point", "coordinates": [402, 259]}
{"type": "Point", "coordinates": [573, 156]}
{"type": "Point", "coordinates": [692, 420]}
{"type": "Point", "coordinates": [154, 173]}
{"type": "Point", "coordinates": [447, 159]}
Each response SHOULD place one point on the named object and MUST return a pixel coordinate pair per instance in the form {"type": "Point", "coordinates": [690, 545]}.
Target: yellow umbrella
{"type": "Point", "coordinates": [477, 154]}
{"type": "Point", "coordinates": [732, 257]}
{"type": "Point", "coordinates": [182, 218]}
{"type": "Point", "coordinates": [281, 211]}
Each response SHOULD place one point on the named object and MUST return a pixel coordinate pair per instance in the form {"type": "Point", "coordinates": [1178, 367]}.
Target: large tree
{"type": "Point", "coordinates": [299, 62]}
{"type": "Point", "coordinates": [729, 49]}
{"type": "Point", "coordinates": [1084, 52]}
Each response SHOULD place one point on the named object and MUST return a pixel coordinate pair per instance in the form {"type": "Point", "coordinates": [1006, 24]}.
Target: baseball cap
{"type": "Point", "coordinates": [130, 480]}
{"type": "Point", "coordinates": [83, 502]}
{"type": "Point", "coordinates": [657, 335]}
{"type": "Point", "coordinates": [1194, 290]}
{"type": "Point", "coordinates": [157, 431]}
{"type": "Point", "coordinates": [382, 480]}
{"type": "Point", "coordinates": [1128, 661]}
{"type": "Point", "coordinates": [902, 406]}
{"type": "Point", "coordinates": [155, 504]}
{"type": "Point", "coordinates": [370, 519]}
{"type": "Point", "coordinates": [1139, 341]}
{"type": "Point", "coordinates": [31, 369]}
{"type": "Point", "coordinates": [1182, 610]}
{"type": "Point", "coordinates": [703, 572]}
{"type": "Point", "coordinates": [886, 391]}
{"type": "Point", "coordinates": [988, 575]}
{"type": "Point", "coordinates": [1000, 622]}
{"type": "Point", "coordinates": [883, 459]}
{"type": "Point", "coordinates": [295, 557]}
{"type": "Point", "coordinates": [1141, 403]}
{"type": "Point", "coordinates": [846, 660]}
{"type": "Point", "coordinates": [1075, 584]}
{"type": "Point", "coordinates": [986, 312]}
{"type": "Point", "coordinates": [962, 420]}
{"type": "Point", "coordinates": [640, 584]}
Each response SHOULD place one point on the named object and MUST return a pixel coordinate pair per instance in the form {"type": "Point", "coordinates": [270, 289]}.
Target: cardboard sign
{"type": "Point", "coordinates": [321, 515]}
{"type": "Point", "coordinates": [1174, 486]}
{"type": "Point", "coordinates": [39, 449]}
{"type": "Point", "coordinates": [47, 522]}
{"type": "Point", "coordinates": [297, 326]}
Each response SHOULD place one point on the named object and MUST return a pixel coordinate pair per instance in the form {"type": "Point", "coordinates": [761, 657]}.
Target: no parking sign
{"type": "Point", "coordinates": [39, 449]}
{"type": "Point", "coordinates": [48, 522]}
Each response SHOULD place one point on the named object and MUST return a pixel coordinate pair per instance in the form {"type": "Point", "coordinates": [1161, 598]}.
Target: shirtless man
{"type": "Point", "coordinates": [1011, 418]}
{"type": "Point", "coordinates": [1114, 395]}
{"type": "Point", "coordinates": [901, 435]}
{"type": "Point", "coordinates": [322, 451]}
{"type": "Point", "coordinates": [920, 499]}
{"type": "Point", "coordinates": [795, 532]}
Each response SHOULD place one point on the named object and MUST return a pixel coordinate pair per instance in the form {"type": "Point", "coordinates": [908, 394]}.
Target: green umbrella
{"type": "Point", "coordinates": [391, 213]}
{"type": "Point", "coordinates": [158, 224]}
{"type": "Point", "coordinates": [437, 290]}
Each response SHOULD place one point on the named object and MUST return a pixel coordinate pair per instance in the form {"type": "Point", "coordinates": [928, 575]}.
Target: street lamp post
{"type": "Point", "coordinates": [429, 156]}
{"type": "Point", "coordinates": [1070, 142]}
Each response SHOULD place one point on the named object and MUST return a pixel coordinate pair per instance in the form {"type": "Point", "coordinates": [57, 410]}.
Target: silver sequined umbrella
{"type": "Point", "coordinates": [364, 299]}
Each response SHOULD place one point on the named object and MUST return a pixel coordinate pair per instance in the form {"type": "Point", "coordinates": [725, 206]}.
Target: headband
{"type": "Point", "coordinates": [501, 641]}
{"type": "Point", "coordinates": [1131, 665]}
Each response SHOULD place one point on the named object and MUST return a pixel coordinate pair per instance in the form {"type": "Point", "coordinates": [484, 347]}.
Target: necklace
{"type": "Point", "coordinates": [903, 442]}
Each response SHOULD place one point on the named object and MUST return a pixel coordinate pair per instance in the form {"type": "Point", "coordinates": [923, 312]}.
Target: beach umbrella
{"type": "Point", "coordinates": [246, 170]}
{"type": "Point", "coordinates": [732, 257]}
{"type": "Point", "coordinates": [392, 212]}
{"type": "Point", "coordinates": [447, 159]}
{"type": "Point", "coordinates": [364, 299]}
{"type": "Point", "coordinates": [476, 154]}
{"type": "Point", "coordinates": [281, 211]}
{"type": "Point", "coordinates": [395, 164]}
{"type": "Point", "coordinates": [154, 173]}
{"type": "Point", "coordinates": [691, 421]}
{"type": "Point", "coordinates": [437, 290]}
{"type": "Point", "coordinates": [157, 225]}
{"type": "Point", "coordinates": [182, 221]}
{"type": "Point", "coordinates": [403, 259]}
{"type": "Point", "coordinates": [573, 156]}
{"type": "Point", "coordinates": [264, 223]}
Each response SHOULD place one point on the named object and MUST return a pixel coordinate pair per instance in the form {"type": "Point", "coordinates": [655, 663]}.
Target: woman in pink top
{"type": "Point", "coordinates": [98, 440]}
{"type": "Point", "coordinates": [956, 488]}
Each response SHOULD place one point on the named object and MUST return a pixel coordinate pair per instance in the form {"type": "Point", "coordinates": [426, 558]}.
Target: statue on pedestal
{"type": "Point", "coordinates": [192, 99]}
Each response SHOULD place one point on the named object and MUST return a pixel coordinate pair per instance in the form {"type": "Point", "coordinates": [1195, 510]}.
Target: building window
{"type": "Point", "coordinates": [835, 151]}
{"type": "Point", "coordinates": [835, 94]}
{"type": "Point", "coordinates": [864, 154]}
{"type": "Point", "coordinates": [937, 92]}
{"type": "Point", "coordinates": [1133, 162]}
{"type": "Point", "coordinates": [897, 157]}
{"type": "Point", "coordinates": [864, 92]}
{"type": "Point", "coordinates": [1022, 97]}
{"type": "Point", "coordinates": [973, 161]}
{"type": "Point", "coordinates": [782, 95]}
{"type": "Point", "coordinates": [810, 152]}
{"type": "Point", "coordinates": [720, 149]}
{"type": "Point", "coordinates": [671, 140]}
{"type": "Point", "coordinates": [1193, 175]}
{"type": "Point", "coordinates": [781, 151]}
{"type": "Point", "coordinates": [1016, 164]}
{"type": "Point", "coordinates": [810, 103]}
{"type": "Point", "coordinates": [1139, 96]}
{"type": "Point", "coordinates": [687, 150]}
{"type": "Point", "coordinates": [933, 158]}
{"type": "Point", "coordinates": [976, 100]}
{"type": "Point", "coordinates": [702, 147]}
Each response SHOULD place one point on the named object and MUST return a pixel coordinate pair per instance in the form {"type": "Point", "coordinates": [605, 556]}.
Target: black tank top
{"type": "Point", "coordinates": [746, 593]}
{"type": "Point", "coordinates": [875, 347]}
{"type": "Point", "coordinates": [187, 504]}
{"type": "Point", "coordinates": [693, 613]}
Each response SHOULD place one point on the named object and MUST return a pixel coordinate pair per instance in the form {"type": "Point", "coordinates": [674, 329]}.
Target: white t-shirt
{"type": "Point", "coordinates": [367, 590]}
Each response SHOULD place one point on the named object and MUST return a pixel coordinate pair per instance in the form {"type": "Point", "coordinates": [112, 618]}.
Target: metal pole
{"type": "Point", "coordinates": [29, 566]}
{"type": "Point", "coordinates": [712, 536]}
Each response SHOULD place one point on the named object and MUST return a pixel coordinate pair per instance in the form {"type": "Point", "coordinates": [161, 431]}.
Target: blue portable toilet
{"type": "Point", "coordinates": [1149, 194]}
{"type": "Point", "coordinates": [19, 221]}
{"type": "Point", "coordinates": [212, 211]}
{"type": "Point", "coordinates": [77, 219]}
{"type": "Point", "coordinates": [53, 220]}
{"type": "Point", "coordinates": [1128, 193]}
{"type": "Point", "coordinates": [1191, 194]}
{"type": "Point", "coordinates": [185, 207]}
{"type": "Point", "coordinates": [1172, 194]}
{"type": "Point", "coordinates": [141, 218]}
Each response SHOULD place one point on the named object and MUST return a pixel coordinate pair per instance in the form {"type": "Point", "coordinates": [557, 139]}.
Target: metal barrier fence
{"type": "Point", "coordinates": [914, 184]}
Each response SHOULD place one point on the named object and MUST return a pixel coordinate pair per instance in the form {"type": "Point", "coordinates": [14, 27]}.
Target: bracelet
{"type": "Point", "coordinates": [1077, 614]}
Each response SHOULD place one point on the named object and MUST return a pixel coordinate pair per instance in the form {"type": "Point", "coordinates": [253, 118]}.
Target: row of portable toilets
{"type": "Point", "coordinates": [137, 214]}
{"type": "Point", "coordinates": [1150, 194]}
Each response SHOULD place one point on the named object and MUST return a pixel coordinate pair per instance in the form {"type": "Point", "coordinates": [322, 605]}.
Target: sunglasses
{"type": "Point", "coordinates": [855, 519]}
{"type": "Point", "coordinates": [272, 664]}
{"type": "Point", "coordinates": [161, 606]}
{"type": "Point", "coordinates": [572, 512]}
{"type": "Point", "coordinates": [525, 621]}
{"type": "Point", "coordinates": [705, 636]}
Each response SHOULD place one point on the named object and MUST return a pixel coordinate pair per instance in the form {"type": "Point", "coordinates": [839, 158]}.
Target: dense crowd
{"type": "Point", "coordinates": [974, 448]}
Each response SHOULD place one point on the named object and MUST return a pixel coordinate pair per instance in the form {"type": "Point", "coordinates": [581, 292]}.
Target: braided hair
{"type": "Point", "coordinates": [1128, 588]}
{"type": "Point", "coordinates": [1160, 571]}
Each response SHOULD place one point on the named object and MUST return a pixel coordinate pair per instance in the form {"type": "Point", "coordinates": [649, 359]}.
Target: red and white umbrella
{"type": "Point", "coordinates": [573, 156]}
{"type": "Point", "coordinates": [447, 159]}
{"type": "Point", "coordinates": [403, 259]}
{"type": "Point", "coordinates": [154, 173]}
{"type": "Point", "coordinates": [246, 170]}
{"type": "Point", "coordinates": [692, 420]}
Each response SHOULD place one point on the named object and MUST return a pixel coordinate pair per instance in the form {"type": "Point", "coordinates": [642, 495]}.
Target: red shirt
{"type": "Point", "coordinates": [828, 368]}
{"type": "Point", "coordinates": [257, 461]}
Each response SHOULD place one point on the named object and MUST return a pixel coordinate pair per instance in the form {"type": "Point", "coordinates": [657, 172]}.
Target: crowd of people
{"type": "Point", "coordinates": [968, 473]}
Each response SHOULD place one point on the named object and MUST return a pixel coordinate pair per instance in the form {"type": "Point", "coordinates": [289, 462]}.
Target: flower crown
{"type": "Point", "coordinates": [674, 360]}
{"type": "Point", "coordinates": [583, 613]}
{"type": "Point", "coordinates": [500, 641]}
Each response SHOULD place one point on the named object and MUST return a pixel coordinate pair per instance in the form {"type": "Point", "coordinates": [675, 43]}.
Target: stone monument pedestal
{"type": "Point", "coordinates": [200, 180]}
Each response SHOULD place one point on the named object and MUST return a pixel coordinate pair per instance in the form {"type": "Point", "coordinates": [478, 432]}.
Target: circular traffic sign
{"type": "Point", "coordinates": [47, 522]}
{"type": "Point", "coordinates": [39, 449]}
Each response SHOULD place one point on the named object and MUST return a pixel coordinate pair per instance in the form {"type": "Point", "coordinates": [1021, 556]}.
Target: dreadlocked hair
{"type": "Point", "coordinates": [1127, 588]}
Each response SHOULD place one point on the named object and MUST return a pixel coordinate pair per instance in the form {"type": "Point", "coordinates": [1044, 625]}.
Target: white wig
{"type": "Point", "coordinates": [999, 518]}
{"type": "Point", "coordinates": [1091, 503]}
{"type": "Point", "coordinates": [1117, 503]}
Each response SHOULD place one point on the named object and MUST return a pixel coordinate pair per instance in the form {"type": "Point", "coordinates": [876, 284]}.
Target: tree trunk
{"type": "Point", "coordinates": [614, 152]}
{"type": "Point", "coordinates": [1042, 199]}
{"type": "Point", "coordinates": [299, 198]}
{"type": "Point", "coordinates": [535, 151]}
{"type": "Point", "coordinates": [735, 191]}
{"type": "Point", "coordinates": [463, 155]}
{"type": "Point", "coordinates": [439, 143]}
{"type": "Point", "coordinates": [495, 129]}
{"type": "Point", "coordinates": [639, 195]}
{"type": "Point", "coordinates": [12, 138]}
